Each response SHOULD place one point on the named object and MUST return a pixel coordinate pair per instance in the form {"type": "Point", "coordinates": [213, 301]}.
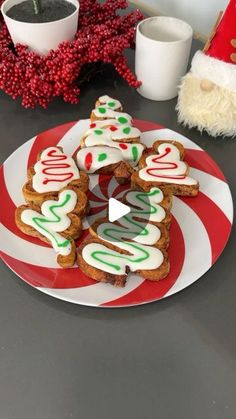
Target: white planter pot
{"type": "Point", "coordinates": [41, 37]}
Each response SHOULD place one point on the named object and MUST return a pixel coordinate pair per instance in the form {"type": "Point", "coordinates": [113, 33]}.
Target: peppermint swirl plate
{"type": "Point", "coordinates": [195, 245]}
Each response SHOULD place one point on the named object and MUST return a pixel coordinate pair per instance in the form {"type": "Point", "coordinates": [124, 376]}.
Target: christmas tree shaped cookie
{"type": "Point", "coordinates": [165, 167]}
{"type": "Point", "coordinates": [136, 242]}
{"type": "Point", "coordinates": [58, 223]}
{"type": "Point", "coordinates": [52, 172]}
{"type": "Point", "coordinates": [111, 145]}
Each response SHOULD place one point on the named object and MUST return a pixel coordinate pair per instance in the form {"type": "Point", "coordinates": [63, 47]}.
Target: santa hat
{"type": "Point", "coordinates": [217, 62]}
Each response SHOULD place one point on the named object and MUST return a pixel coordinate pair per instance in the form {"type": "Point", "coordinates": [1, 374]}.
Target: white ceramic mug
{"type": "Point", "coordinates": [41, 37]}
{"type": "Point", "coordinates": [163, 47]}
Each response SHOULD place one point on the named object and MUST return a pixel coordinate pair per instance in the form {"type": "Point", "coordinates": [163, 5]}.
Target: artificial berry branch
{"type": "Point", "coordinates": [102, 37]}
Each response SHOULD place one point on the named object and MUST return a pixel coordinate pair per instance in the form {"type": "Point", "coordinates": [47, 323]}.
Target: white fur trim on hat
{"type": "Point", "coordinates": [219, 72]}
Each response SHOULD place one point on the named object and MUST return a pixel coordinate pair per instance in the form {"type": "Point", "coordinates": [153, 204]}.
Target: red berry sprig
{"type": "Point", "coordinates": [102, 36]}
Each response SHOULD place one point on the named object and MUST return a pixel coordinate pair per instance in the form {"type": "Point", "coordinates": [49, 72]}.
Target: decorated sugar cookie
{"type": "Point", "coordinates": [153, 206]}
{"type": "Point", "coordinates": [109, 108]}
{"type": "Point", "coordinates": [92, 159]}
{"type": "Point", "coordinates": [53, 171]}
{"type": "Point", "coordinates": [56, 223]}
{"type": "Point", "coordinates": [129, 245]}
{"type": "Point", "coordinates": [167, 169]}
{"type": "Point", "coordinates": [102, 112]}
{"type": "Point", "coordinates": [130, 152]}
{"type": "Point", "coordinates": [111, 145]}
{"type": "Point", "coordinates": [98, 135]}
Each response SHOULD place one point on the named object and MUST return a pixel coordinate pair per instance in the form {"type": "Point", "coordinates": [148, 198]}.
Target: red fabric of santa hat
{"type": "Point", "coordinates": [218, 62]}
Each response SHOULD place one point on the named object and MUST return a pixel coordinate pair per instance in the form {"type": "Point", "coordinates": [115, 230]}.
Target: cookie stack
{"type": "Point", "coordinates": [112, 145]}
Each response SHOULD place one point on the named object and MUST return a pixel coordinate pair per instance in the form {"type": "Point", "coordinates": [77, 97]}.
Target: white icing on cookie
{"type": "Point", "coordinates": [142, 235]}
{"type": "Point", "coordinates": [95, 157]}
{"type": "Point", "coordinates": [130, 152]}
{"type": "Point", "coordinates": [54, 219]}
{"type": "Point", "coordinates": [120, 134]}
{"type": "Point", "coordinates": [101, 123]}
{"type": "Point", "coordinates": [93, 139]}
{"type": "Point", "coordinates": [121, 117]}
{"type": "Point", "coordinates": [116, 263]}
{"type": "Point", "coordinates": [166, 167]}
{"type": "Point", "coordinates": [115, 132]}
{"type": "Point", "coordinates": [110, 102]}
{"type": "Point", "coordinates": [53, 171]}
{"type": "Point", "coordinates": [149, 204]}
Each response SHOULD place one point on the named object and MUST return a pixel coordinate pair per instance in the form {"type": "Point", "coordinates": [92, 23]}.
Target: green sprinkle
{"type": "Point", "coordinates": [102, 110]}
{"type": "Point", "coordinates": [102, 156]}
{"type": "Point", "coordinates": [98, 131]}
{"type": "Point", "coordinates": [111, 104]}
{"type": "Point", "coordinates": [123, 120]}
{"type": "Point", "coordinates": [127, 130]}
{"type": "Point", "coordinates": [135, 153]}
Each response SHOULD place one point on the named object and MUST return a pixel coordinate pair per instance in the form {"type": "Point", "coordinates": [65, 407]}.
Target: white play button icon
{"type": "Point", "coordinates": [105, 206]}
{"type": "Point", "coordinates": [116, 210]}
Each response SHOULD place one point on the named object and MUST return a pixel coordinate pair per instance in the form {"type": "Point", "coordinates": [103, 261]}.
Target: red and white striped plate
{"type": "Point", "coordinates": [200, 230]}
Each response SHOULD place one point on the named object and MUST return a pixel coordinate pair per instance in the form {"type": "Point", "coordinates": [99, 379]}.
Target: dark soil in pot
{"type": "Point", "coordinates": [51, 10]}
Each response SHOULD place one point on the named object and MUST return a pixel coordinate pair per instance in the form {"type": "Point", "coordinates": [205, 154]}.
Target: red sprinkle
{"type": "Point", "coordinates": [113, 128]}
{"type": "Point", "coordinates": [123, 146]}
{"type": "Point", "coordinates": [88, 161]}
{"type": "Point", "coordinates": [93, 125]}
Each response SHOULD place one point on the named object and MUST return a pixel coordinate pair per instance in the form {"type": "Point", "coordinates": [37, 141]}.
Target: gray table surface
{"type": "Point", "coordinates": [170, 359]}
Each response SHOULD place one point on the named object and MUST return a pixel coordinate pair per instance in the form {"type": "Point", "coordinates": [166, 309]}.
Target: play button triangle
{"type": "Point", "coordinates": [116, 210]}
